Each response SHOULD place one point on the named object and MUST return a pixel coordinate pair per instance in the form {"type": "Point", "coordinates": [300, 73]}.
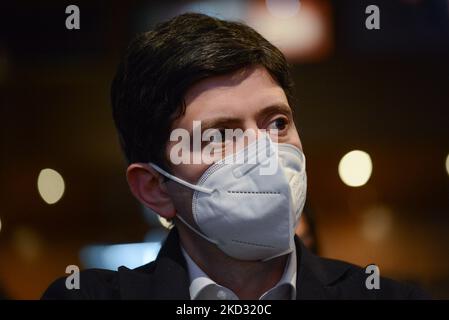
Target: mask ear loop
{"type": "Point", "coordinates": [196, 231]}
{"type": "Point", "coordinates": [180, 181]}
{"type": "Point", "coordinates": [189, 185]}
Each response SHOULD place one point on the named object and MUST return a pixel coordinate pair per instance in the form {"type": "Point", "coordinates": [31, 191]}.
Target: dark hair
{"type": "Point", "coordinates": [160, 65]}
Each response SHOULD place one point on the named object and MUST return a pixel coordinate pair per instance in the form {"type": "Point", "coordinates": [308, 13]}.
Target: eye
{"type": "Point", "coordinates": [279, 124]}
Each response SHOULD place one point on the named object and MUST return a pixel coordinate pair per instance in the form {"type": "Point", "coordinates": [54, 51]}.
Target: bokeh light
{"type": "Point", "coordinates": [447, 164]}
{"type": "Point", "coordinates": [283, 8]}
{"type": "Point", "coordinates": [376, 223]}
{"type": "Point", "coordinates": [355, 168]}
{"type": "Point", "coordinates": [50, 185]}
{"type": "Point", "coordinates": [27, 243]}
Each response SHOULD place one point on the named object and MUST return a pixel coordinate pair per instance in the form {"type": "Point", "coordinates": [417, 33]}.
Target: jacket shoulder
{"type": "Point", "coordinates": [93, 284]}
{"type": "Point", "coordinates": [353, 282]}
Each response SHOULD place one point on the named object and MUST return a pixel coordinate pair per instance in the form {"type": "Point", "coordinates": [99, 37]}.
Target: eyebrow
{"type": "Point", "coordinates": [229, 122]}
{"type": "Point", "coordinates": [276, 108]}
{"type": "Point", "coordinates": [221, 122]}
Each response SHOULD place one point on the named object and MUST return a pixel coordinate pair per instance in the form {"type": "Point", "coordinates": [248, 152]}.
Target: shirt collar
{"type": "Point", "coordinates": [203, 287]}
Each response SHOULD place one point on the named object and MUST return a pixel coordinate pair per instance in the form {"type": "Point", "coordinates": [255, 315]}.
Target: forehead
{"type": "Point", "coordinates": [237, 94]}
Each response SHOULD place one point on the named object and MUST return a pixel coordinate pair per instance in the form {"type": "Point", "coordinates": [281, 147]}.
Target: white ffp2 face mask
{"type": "Point", "coordinates": [250, 208]}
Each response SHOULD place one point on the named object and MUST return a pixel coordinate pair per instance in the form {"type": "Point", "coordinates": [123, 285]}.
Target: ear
{"type": "Point", "coordinates": [147, 185]}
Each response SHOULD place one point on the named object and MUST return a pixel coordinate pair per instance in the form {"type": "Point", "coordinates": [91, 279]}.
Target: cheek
{"type": "Point", "coordinates": [181, 195]}
{"type": "Point", "coordinates": [187, 171]}
{"type": "Point", "coordinates": [181, 198]}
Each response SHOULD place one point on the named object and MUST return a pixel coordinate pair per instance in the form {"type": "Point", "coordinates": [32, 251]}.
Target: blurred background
{"type": "Point", "coordinates": [373, 118]}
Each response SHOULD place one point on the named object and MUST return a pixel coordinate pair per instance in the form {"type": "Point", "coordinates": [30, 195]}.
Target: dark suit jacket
{"type": "Point", "coordinates": [167, 278]}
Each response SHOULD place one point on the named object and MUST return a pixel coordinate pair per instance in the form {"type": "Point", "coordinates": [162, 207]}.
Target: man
{"type": "Point", "coordinates": [234, 226]}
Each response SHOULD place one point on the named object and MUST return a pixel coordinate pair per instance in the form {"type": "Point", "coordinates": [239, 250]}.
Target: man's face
{"type": "Point", "coordinates": [248, 100]}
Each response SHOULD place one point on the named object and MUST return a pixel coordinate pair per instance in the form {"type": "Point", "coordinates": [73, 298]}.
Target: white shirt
{"type": "Point", "coordinates": [204, 288]}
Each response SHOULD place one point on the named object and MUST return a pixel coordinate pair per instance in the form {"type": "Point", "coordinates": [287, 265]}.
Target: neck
{"type": "Point", "coordinates": [247, 279]}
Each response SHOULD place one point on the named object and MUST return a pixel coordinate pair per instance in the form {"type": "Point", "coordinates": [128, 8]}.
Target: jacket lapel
{"type": "Point", "coordinates": [314, 280]}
